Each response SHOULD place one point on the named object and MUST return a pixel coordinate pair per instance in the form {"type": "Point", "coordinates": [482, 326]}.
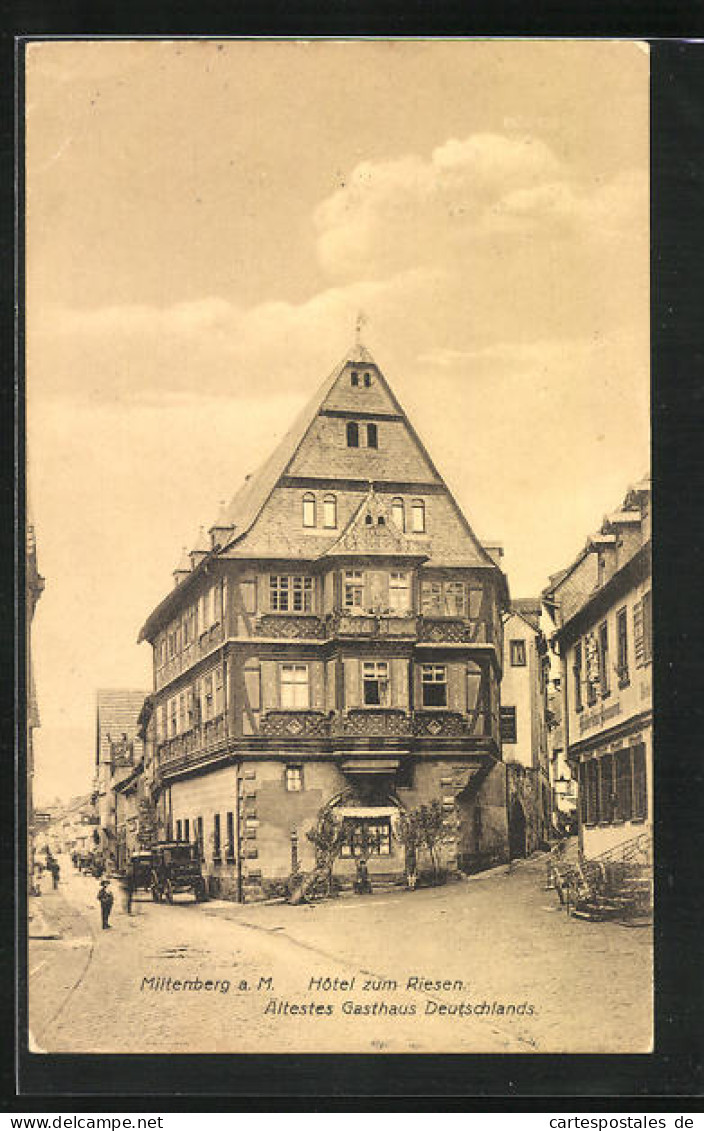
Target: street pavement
{"type": "Point", "coordinates": [434, 970]}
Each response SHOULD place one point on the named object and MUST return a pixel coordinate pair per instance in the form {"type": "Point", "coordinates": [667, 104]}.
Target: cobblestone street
{"type": "Point", "coordinates": [500, 937]}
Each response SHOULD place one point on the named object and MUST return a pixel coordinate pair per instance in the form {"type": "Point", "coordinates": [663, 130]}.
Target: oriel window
{"type": "Point", "coordinates": [433, 680]}
{"type": "Point", "coordinates": [294, 685]}
{"type": "Point", "coordinates": [375, 680]}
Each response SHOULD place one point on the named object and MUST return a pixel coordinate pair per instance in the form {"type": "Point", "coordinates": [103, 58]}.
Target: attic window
{"type": "Point", "coordinates": [381, 521]}
{"type": "Point", "coordinates": [354, 378]}
{"type": "Point", "coordinates": [418, 516]}
{"type": "Point", "coordinates": [352, 435]}
{"type": "Point", "coordinates": [367, 380]}
{"type": "Point", "coordinates": [309, 510]}
{"type": "Point", "coordinates": [372, 436]}
{"type": "Point", "coordinates": [369, 520]}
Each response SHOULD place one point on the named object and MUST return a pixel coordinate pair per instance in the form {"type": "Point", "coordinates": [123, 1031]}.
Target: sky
{"type": "Point", "coordinates": [206, 219]}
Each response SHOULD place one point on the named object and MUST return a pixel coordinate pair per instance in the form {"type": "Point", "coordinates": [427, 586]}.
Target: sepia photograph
{"type": "Point", "coordinates": [338, 546]}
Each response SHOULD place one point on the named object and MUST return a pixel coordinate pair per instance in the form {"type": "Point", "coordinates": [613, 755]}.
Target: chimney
{"type": "Point", "coordinates": [183, 568]}
{"type": "Point", "coordinates": [200, 550]}
{"type": "Point", "coordinates": [495, 550]}
{"type": "Point", "coordinates": [221, 531]}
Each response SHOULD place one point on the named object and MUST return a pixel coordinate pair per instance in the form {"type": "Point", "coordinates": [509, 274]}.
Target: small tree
{"type": "Point", "coordinates": [423, 827]}
{"type": "Point", "coordinates": [327, 838]}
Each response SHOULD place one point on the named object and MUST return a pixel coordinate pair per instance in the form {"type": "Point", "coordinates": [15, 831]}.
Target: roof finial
{"type": "Point", "coordinates": [359, 324]}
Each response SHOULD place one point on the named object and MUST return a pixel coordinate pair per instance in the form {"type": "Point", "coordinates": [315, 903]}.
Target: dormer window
{"type": "Point", "coordinates": [309, 510]}
{"type": "Point", "coordinates": [352, 434]}
{"type": "Point", "coordinates": [330, 512]}
{"type": "Point", "coordinates": [367, 380]}
{"type": "Point", "coordinates": [372, 436]}
{"type": "Point", "coordinates": [354, 379]}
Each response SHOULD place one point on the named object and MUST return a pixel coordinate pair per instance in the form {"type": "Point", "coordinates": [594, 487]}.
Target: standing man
{"type": "Point", "coordinates": [105, 898]}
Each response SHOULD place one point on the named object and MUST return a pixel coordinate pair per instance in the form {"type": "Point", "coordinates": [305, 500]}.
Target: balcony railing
{"type": "Point", "coordinates": [290, 626]}
{"type": "Point", "coordinates": [341, 623]}
{"type": "Point", "coordinates": [295, 724]}
{"type": "Point", "coordinates": [454, 630]}
{"type": "Point", "coordinates": [449, 724]}
{"type": "Point", "coordinates": [362, 722]}
{"type": "Point", "coordinates": [206, 739]}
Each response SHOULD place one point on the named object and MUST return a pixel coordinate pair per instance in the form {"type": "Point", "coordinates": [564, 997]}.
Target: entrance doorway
{"type": "Point", "coordinates": [516, 831]}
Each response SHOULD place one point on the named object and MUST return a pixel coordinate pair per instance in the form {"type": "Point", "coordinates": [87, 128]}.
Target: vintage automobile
{"type": "Point", "coordinates": [176, 868]}
{"type": "Point", "coordinates": [140, 867]}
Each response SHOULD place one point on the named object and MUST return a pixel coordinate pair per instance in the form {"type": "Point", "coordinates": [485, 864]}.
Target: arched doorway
{"type": "Point", "coordinates": [516, 830]}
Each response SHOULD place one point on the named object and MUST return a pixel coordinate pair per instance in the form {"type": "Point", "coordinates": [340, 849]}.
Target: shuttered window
{"type": "Point", "coordinates": [508, 725]}
{"type": "Point", "coordinates": [638, 637]}
{"type": "Point", "coordinates": [647, 627]}
{"type": "Point", "coordinates": [624, 785]}
{"type": "Point", "coordinates": [577, 672]}
{"type": "Point", "coordinates": [606, 789]}
{"type": "Point", "coordinates": [622, 647]}
{"type": "Point", "coordinates": [604, 672]}
{"type": "Point", "coordinates": [592, 792]}
{"type": "Point", "coordinates": [640, 785]}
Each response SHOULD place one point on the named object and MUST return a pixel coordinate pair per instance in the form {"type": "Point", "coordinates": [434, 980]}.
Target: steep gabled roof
{"type": "Point", "coordinates": [242, 511]}
{"type": "Point", "coordinates": [118, 713]}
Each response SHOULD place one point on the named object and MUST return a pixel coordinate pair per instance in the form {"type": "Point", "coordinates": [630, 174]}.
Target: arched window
{"type": "Point", "coordinates": [330, 511]}
{"type": "Point", "coordinates": [372, 436]}
{"type": "Point", "coordinates": [418, 516]}
{"type": "Point", "coordinates": [354, 378]}
{"type": "Point", "coordinates": [367, 380]}
{"type": "Point", "coordinates": [352, 435]}
{"type": "Point", "coordinates": [309, 510]}
{"type": "Point", "coordinates": [398, 513]}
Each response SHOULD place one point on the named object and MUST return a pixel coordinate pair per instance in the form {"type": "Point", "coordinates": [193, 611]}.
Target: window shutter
{"type": "Point", "coordinates": [456, 700]}
{"type": "Point", "coordinates": [353, 695]}
{"type": "Point", "coordinates": [317, 691]}
{"type": "Point", "coordinates": [474, 698]}
{"type": "Point", "coordinates": [399, 683]}
{"type": "Point", "coordinates": [252, 695]}
{"type": "Point", "coordinates": [638, 638]}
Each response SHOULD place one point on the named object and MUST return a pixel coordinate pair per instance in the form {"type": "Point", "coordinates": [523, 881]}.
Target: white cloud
{"type": "Point", "coordinates": [436, 210]}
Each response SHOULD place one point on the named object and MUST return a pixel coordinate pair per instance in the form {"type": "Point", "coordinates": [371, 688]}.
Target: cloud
{"type": "Point", "coordinates": [212, 346]}
{"type": "Point", "coordinates": [439, 209]}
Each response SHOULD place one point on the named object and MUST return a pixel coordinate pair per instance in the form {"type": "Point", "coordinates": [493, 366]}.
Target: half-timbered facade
{"type": "Point", "coordinates": [336, 643]}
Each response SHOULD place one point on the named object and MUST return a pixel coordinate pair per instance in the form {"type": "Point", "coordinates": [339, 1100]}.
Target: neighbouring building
{"type": "Point", "coordinates": [602, 609]}
{"type": "Point", "coordinates": [524, 727]}
{"type": "Point", "coordinates": [119, 749]}
{"type": "Point", "coordinates": [336, 644]}
{"type": "Point", "coordinates": [34, 587]}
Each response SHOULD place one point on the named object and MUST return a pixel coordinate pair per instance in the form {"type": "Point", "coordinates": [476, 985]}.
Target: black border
{"type": "Point", "coordinates": [481, 1082]}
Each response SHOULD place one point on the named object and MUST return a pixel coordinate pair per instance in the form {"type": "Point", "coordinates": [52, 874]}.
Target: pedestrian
{"type": "Point", "coordinates": [105, 898]}
{"type": "Point", "coordinates": [55, 873]}
{"type": "Point", "coordinates": [128, 888]}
